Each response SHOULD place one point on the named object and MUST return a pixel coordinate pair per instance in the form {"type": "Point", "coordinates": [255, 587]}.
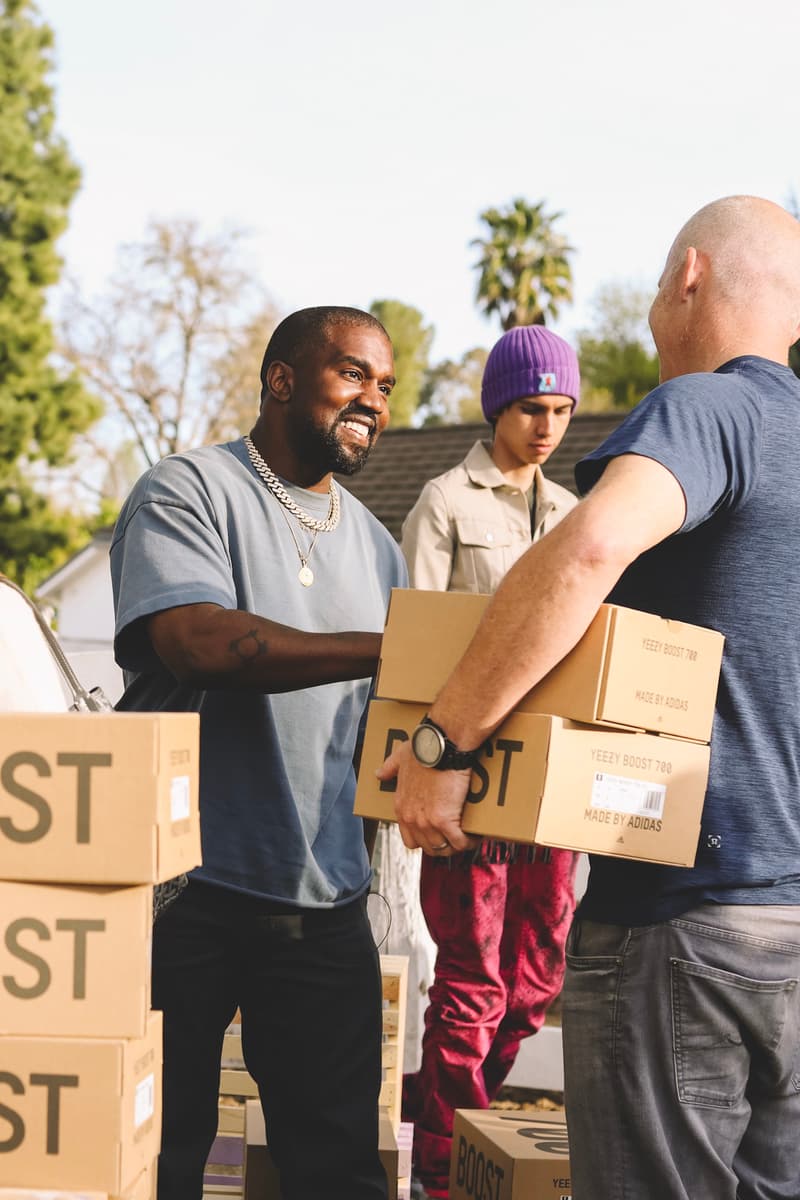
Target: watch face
{"type": "Point", "coordinates": [427, 745]}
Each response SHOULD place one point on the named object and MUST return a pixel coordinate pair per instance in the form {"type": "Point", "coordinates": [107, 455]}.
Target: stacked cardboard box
{"type": "Point", "coordinates": [509, 1155]}
{"type": "Point", "coordinates": [223, 1178]}
{"type": "Point", "coordinates": [94, 809]}
{"type": "Point", "coordinates": [144, 1188]}
{"type": "Point", "coordinates": [394, 985]}
{"type": "Point", "coordinates": [608, 754]}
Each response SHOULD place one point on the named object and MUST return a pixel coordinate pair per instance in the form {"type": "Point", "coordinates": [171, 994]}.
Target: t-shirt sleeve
{"type": "Point", "coordinates": [166, 551]}
{"type": "Point", "coordinates": [705, 429]}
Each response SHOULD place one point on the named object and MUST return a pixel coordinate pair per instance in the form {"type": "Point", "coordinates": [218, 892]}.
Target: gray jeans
{"type": "Point", "coordinates": [682, 1056]}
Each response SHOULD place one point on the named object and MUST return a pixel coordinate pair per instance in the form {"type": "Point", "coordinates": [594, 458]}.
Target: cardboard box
{"type": "Point", "coordinates": [547, 780]}
{"type": "Point", "coordinates": [81, 1113]}
{"type": "Point", "coordinates": [232, 1056]}
{"type": "Point", "coordinates": [144, 1188]}
{"type": "Point", "coordinates": [75, 961]}
{"type": "Point", "coordinates": [509, 1156]}
{"type": "Point", "coordinates": [98, 798]}
{"type": "Point", "coordinates": [405, 1146]}
{"type": "Point", "coordinates": [630, 668]}
{"type": "Point", "coordinates": [225, 1166]}
{"type": "Point", "coordinates": [233, 1082]}
{"type": "Point", "coordinates": [261, 1181]}
{"type": "Point", "coordinates": [230, 1117]}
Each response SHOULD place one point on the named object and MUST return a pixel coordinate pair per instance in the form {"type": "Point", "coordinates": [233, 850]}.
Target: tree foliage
{"type": "Point", "coordinates": [42, 405]}
{"type": "Point", "coordinates": [411, 339]}
{"type": "Point", "coordinates": [618, 361]}
{"type": "Point", "coordinates": [451, 394]}
{"type": "Point", "coordinates": [174, 345]}
{"type": "Point", "coordinates": [524, 270]}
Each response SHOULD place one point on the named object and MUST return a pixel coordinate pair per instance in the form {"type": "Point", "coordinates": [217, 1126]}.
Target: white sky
{"type": "Point", "coordinates": [358, 141]}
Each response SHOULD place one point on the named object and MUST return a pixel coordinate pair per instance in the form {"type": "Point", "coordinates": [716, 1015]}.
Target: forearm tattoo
{"type": "Point", "coordinates": [249, 646]}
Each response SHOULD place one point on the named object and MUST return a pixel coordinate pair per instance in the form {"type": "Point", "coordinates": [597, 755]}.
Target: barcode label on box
{"type": "Point", "coordinates": [636, 797]}
{"type": "Point", "coordinates": [144, 1101]}
{"type": "Point", "coordinates": [179, 798]}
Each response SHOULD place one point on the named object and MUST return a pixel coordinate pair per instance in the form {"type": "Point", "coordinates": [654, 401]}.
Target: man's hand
{"type": "Point", "coordinates": [428, 804]}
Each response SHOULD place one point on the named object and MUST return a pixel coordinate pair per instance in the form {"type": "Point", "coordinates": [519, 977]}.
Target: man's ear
{"type": "Point", "coordinates": [279, 381]}
{"type": "Point", "coordinates": [693, 270]}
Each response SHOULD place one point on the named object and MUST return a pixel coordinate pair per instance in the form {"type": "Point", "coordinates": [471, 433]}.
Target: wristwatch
{"type": "Point", "coordinates": [432, 747]}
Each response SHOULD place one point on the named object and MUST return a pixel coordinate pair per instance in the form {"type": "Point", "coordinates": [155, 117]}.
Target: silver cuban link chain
{"type": "Point", "coordinates": [271, 481]}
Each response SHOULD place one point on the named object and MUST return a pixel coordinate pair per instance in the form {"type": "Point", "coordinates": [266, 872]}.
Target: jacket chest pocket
{"type": "Point", "coordinates": [485, 551]}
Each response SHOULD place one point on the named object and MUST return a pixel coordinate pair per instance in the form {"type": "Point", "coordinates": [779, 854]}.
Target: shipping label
{"type": "Point", "coordinates": [144, 1102]}
{"type": "Point", "coordinates": [634, 797]}
{"type": "Point", "coordinates": [180, 798]}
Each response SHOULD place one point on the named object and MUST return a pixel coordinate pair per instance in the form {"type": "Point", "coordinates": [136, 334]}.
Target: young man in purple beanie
{"type": "Point", "coordinates": [499, 916]}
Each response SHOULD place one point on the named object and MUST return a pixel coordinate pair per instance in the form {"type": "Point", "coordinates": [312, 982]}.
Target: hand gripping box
{"type": "Point", "coordinates": [80, 1113]}
{"type": "Point", "coordinates": [630, 668]}
{"type": "Point", "coordinates": [500, 1155]}
{"type": "Point", "coordinates": [98, 797]}
{"type": "Point", "coordinates": [548, 780]}
{"type": "Point", "coordinates": [74, 960]}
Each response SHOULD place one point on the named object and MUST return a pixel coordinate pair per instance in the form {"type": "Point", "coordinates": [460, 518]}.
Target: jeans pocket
{"type": "Point", "coordinates": [719, 1021]}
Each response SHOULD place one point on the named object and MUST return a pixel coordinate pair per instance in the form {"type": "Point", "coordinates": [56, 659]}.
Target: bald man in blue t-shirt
{"type": "Point", "coordinates": [681, 1008]}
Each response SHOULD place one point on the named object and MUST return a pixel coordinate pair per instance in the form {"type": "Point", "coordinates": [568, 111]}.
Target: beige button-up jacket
{"type": "Point", "coordinates": [470, 525]}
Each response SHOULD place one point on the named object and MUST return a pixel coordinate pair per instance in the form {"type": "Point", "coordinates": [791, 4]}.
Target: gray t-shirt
{"type": "Point", "coordinates": [276, 773]}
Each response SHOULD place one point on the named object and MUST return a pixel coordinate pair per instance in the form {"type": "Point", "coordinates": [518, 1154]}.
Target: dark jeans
{"type": "Point", "coordinates": [308, 985]}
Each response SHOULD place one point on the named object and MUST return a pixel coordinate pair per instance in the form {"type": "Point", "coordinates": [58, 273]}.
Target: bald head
{"type": "Point", "coordinates": [731, 284]}
{"type": "Point", "coordinates": [753, 246]}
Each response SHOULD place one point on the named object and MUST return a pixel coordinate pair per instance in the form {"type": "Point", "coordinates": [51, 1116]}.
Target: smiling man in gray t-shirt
{"type": "Point", "coordinates": [237, 571]}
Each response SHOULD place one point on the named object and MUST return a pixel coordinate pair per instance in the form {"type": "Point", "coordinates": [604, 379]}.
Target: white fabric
{"type": "Point", "coordinates": [29, 678]}
{"type": "Point", "coordinates": [397, 881]}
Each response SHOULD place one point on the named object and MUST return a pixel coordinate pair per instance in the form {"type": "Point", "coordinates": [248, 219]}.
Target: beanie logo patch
{"type": "Point", "coordinates": [547, 381]}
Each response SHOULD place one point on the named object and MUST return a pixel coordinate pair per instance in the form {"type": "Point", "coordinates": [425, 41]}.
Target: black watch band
{"type": "Point", "coordinates": [433, 748]}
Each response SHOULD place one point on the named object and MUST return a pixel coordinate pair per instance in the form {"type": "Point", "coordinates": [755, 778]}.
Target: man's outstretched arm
{"type": "Point", "coordinates": [540, 611]}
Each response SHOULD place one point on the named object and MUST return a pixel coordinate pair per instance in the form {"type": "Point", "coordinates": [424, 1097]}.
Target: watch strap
{"type": "Point", "coordinates": [452, 759]}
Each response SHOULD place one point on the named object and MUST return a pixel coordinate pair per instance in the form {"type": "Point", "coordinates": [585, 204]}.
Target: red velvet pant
{"type": "Point", "coordinates": [500, 930]}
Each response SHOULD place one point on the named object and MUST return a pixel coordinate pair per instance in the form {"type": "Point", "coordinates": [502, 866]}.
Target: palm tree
{"type": "Point", "coordinates": [525, 274]}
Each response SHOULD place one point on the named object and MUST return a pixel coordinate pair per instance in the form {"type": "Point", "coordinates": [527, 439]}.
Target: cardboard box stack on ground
{"type": "Point", "coordinates": [608, 754]}
{"type": "Point", "coordinates": [500, 1155]}
{"type": "Point", "coordinates": [394, 984]}
{"type": "Point", "coordinates": [94, 809]}
{"type": "Point", "coordinates": [143, 1188]}
{"type": "Point", "coordinates": [224, 1171]}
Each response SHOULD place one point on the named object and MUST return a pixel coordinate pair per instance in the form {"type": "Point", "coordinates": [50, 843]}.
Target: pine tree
{"type": "Point", "coordinates": [40, 407]}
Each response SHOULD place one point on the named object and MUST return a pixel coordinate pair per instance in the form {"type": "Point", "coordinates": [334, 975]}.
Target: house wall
{"type": "Point", "coordinates": [85, 620]}
{"type": "Point", "coordinates": [86, 608]}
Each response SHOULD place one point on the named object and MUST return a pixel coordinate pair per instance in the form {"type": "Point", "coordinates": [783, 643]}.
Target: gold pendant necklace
{"type": "Point", "coordinates": [305, 574]}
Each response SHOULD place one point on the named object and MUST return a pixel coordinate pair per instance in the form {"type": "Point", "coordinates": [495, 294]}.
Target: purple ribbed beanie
{"type": "Point", "coordinates": [529, 360]}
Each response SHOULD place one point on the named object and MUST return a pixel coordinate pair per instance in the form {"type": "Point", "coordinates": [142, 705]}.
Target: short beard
{"type": "Point", "coordinates": [323, 451]}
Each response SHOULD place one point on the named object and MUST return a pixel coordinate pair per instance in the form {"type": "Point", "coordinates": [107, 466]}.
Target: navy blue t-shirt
{"type": "Point", "coordinates": [732, 441]}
